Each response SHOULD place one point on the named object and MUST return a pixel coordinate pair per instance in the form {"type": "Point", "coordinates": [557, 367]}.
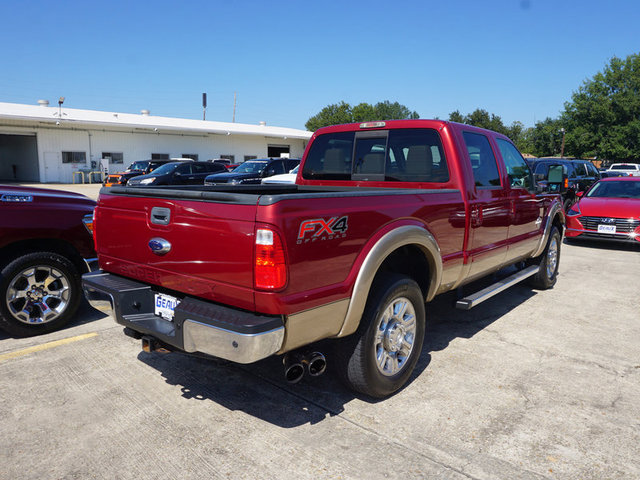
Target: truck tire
{"type": "Point", "coordinates": [549, 262]}
{"type": "Point", "coordinates": [379, 357]}
{"type": "Point", "coordinates": [39, 293]}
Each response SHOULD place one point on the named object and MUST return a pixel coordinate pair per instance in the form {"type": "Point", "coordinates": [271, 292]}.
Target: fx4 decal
{"type": "Point", "coordinates": [321, 229]}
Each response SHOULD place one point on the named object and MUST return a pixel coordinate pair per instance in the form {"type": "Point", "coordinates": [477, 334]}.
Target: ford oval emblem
{"type": "Point", "coordinates": [159, 246]}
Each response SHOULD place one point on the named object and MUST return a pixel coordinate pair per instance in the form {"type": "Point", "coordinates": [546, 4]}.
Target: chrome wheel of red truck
{"type": "Point", "coordinates": [378, 359]}
{"type": "Point", "coordinates": [549, 262]}
{"type": "Point", "coordinates": [41, 292]}
{"type": "Point", "coordinates": [395, 336]}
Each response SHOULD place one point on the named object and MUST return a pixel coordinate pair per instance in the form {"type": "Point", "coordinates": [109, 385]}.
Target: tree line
{"type": "Point", "coordinates": [602, 119]}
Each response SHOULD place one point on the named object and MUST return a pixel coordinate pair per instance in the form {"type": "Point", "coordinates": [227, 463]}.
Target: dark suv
{"type": "Point", "coordinates": [581, 174]}
{"type": "Point", "coordinates": [139, 167]}
{"type": "Point", "coordinates": [253, 171]}
{"type": "Point", "coordinates": [178, 173]}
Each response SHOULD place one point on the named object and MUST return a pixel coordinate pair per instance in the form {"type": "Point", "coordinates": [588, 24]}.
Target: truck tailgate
{"type": "Point", "coordinates": [211, 245]}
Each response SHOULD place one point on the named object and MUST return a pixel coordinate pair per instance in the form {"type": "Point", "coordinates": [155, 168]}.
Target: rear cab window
{"type": "Point", "coordinates": [395, 155]}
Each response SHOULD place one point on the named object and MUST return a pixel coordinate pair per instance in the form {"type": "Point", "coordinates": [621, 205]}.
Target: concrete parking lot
{"type": "Point", "coordinates": [531, 384]}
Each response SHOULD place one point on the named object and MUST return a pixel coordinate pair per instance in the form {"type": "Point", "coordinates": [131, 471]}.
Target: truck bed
{"type": "Point", "coordinates": [212, 236]}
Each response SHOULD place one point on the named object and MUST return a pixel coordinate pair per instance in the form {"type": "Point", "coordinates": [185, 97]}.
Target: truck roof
{"type": "Point", "coordinates": [393, 124]}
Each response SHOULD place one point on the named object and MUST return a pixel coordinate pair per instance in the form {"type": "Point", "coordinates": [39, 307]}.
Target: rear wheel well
{"type": "Point", "coordinates": [408, 260]}
{"type": "Point", "coordinates": [17, 249]}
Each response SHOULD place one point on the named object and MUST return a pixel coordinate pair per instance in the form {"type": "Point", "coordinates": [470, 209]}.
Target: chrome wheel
{"type": "Point", "coordinates": [395, 336]}
{"type": "Point", "coordinates": [552, 257]}
{"type": "Point", "coordinates": [38, 295]}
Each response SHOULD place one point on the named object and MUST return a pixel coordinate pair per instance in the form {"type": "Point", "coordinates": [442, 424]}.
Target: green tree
{"type": "Point", "coordinates": [334, 114]}
{"type": "Point", "coordinates": [393, 111]}
{"type": "Point", "coordinates": [603, 117]}
{"type": "Point", "coordinates": [545, 138]}
{"type": "Point", "coordinates": [342, 112]}
{"type": "Point", "coordinates": [363, 112]}
{"type": "Point", "coordinates": [456, 116]}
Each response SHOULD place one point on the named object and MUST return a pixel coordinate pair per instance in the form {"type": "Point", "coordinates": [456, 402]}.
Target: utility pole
{"type": "Point", "coordinates": [204, 106]}
{"type": "Point", "coordinates": [235, 95]}
{"type": "Point", "coordinates": [562, 146]}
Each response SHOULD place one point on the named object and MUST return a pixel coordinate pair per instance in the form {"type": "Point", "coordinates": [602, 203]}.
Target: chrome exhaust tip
{"type": "Point", "coordinates": [316, 364]}
{"type": "Point", "coordinates": [293, 368]}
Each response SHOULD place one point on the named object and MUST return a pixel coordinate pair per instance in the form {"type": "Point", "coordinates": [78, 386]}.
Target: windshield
{"type": "Point", "coordinates": [166, 168]}
{"type": "Point", "coordinates": [623, 167]}
{"type": "Point", "coordinates": [615, 189]}
{"type": "Point", "coordinates": [295, 170]}
{"type": "Point", "coordinates": [251, 167]}
{"type": "Point", "coordinates": [138, 165]}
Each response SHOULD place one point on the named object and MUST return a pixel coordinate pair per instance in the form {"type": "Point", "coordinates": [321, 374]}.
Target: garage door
{"type": "Point", "coordinates": [19, 158]}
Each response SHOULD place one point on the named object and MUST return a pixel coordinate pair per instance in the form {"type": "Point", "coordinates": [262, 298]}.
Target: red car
{"type": "Point", "coordinates": [610, 210]}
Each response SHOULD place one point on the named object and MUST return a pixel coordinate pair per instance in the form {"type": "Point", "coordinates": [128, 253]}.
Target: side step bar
{"type": "Point", "coordinates": [471, 301]}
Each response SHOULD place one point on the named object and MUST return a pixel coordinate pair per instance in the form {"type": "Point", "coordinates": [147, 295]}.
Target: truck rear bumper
{"type": "Point", "coordinates": [197, 326]}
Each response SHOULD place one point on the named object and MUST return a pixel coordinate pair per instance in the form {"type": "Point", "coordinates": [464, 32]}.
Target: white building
{"type": "Point", "coordinates": [40, 143]}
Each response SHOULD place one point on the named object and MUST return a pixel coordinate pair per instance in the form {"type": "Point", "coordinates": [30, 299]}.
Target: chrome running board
{"type": "Point", "coordinates": [471, 301]}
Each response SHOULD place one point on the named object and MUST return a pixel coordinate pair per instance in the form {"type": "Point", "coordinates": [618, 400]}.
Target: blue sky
{"type": "Point", "coordinates": [519, 59]}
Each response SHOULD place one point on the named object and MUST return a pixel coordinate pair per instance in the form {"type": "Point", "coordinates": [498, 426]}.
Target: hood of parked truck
{"type": "Point", "coordinates": [16, 193]}
{"type": "Point", "coordinates": [230, 177]}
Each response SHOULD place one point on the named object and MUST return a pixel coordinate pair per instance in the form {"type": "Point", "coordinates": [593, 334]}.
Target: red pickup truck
{"type": "Point", "coordinates": [384, 216]}
{"type": "Point", "coordinates": [45, 246]}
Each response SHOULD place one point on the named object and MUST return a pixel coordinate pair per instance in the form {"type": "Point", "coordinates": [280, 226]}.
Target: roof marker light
{"type": "Point", "coordinates": [372, 125]}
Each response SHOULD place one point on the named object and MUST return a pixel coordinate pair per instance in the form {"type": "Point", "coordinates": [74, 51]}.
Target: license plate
{"type": "Point", "coordinates": [606, 229]}
{"type": "Point", "coordinates": [165, 306]}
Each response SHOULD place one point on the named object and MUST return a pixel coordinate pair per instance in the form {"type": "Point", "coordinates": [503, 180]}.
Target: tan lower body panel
{"type": "Point", "coordinates": [314, 324]}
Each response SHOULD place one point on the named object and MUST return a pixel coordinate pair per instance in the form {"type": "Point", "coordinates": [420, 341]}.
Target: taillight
{"type": "Point", "coordinates": [89, 223]}
{"type": "Point", "coordinates": [270, 265]}
{"type": "Point", "coordinates": [566, 183]}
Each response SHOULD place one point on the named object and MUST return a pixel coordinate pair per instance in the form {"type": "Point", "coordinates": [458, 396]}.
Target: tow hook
{"type": "Point", "coordinates": [150, 344]}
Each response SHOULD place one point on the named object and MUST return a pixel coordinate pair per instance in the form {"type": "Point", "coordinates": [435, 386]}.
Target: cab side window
{"type": "Point", "coordinates": [483, 161]}
{"type": "Point", "coordinates": [184, 169]}
{"type": "Point", "coordinates": [592, 170]}
{"type": "Point", "coordinates": [517, 169]}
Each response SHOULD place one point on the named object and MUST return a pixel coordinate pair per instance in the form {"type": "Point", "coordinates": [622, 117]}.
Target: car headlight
{"type": "Point", "coordinates": [574, 210]}
{"type": "Point", "coordinates": [235, 181]}
{"type": "Point", "coordinates": [147, 181]}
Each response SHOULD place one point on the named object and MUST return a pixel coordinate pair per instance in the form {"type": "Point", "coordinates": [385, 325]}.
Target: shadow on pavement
{"type": "Point", "coordinates": [260, 390]}
{"type": "Point", "coordinates": [85, 314]}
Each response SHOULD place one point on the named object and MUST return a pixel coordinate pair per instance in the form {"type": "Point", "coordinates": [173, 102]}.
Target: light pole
{"type": "Point", "coordinates": [562, 146]}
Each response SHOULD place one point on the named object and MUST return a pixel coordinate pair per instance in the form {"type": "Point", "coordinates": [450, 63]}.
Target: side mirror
{"type": "Point", "coordinates": [579, 194]}
{"type": "Point", "coordinates": [557, 180]}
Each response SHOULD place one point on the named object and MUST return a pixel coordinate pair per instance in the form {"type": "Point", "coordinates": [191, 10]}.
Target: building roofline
{"type": "Point", "coordinates": [72, 116]}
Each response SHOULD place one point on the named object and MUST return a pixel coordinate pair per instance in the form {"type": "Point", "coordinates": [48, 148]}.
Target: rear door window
{"type": "Point", "coordinates": [483, 161]}
{"type": "Point", "coordinates": [184, 169]}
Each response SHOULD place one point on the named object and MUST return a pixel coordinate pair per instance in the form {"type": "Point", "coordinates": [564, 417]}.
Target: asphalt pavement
{"type": "Point", "coordinates": [528, 385]}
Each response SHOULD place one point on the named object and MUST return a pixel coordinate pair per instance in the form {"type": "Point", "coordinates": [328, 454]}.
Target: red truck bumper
{"type": "Point", "coordinates": [197, 326]}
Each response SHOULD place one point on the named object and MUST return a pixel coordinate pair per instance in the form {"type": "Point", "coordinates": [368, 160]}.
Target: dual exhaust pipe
{"type": "Point", "coordinates": [296, 363]}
